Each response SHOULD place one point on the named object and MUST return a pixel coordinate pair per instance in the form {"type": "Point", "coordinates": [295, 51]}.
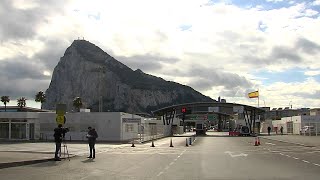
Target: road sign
{"type": "Point", "coordinates": [238, 109]}
{"type": "Point", "coordinates": [131, 120]}
{"type": "Point", "coordinates": [61, 119]}
{"type": "Point", "coordinates": [213, 109]}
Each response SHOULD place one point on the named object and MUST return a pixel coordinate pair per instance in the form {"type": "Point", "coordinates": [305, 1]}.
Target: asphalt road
{"type": "Point", "coordinates": [210, 157]}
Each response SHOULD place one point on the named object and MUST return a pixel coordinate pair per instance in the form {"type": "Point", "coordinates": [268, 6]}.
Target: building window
{"type": "Point", "coordinates": [4, 130]}
{"type": "Point", "coordinates": [129, 128]}
{"type": "Point", "coordinates": [18, 131]}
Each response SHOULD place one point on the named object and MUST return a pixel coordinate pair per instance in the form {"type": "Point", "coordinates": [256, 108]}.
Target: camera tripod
{"type": "Point", "coordinates": [65, 149]}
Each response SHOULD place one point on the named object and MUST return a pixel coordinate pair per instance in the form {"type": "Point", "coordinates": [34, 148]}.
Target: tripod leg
{"type": "Point", "coordinates": [68, 153]}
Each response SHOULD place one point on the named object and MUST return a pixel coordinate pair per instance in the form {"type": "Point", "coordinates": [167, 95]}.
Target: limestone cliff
{"type": "Point", "coordinates": [88, 72]}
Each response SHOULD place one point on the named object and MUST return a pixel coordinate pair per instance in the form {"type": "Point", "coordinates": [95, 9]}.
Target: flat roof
{"type": "Point", "coordinates": [209, 104]}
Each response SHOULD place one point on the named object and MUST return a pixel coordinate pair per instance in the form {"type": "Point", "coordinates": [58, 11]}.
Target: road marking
{"type": "Point", "coordinates": [166, 168]}
{"type": "Point", "coordinates": [288, 156]}
{"type": "Point", "coordinates": [235, 155]}
{"type": "Point", "coordinates": [179, 156]}
{"type": "Point", "coordinates": [175, 159]}
{"type": "Point", "coordinates": [270, 143]}
{"type": "Point", "coordinates": [295, 158]}
{"type": "Point", "coordinates": [305, 161]}
{"type": "Point", "coordinates": [316, 164]}
{"type": "Point", "coordinates": [281, 154]}
{"type": "Point", "coordinates": [171, 163]}
{"type": "Point", "coordinates": [160, 173]}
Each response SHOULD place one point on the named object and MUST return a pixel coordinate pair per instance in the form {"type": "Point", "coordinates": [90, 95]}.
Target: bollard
{"type": "Point", "coordinates": [133, 144]}
{"type": "Point", "coordinates": [152, 144]}
{"type": "Point", "coordinates": [187, 142]}
{"type": "Point", "coordinates": [171, 145]}
{"type": "Point", "coordinates": [190, 142]}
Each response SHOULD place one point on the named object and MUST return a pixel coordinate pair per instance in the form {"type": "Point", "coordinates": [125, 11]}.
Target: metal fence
{"type": "Point", "coordinates": [148, 131]}
{"type": "Point", "coordinates": [304, 128]}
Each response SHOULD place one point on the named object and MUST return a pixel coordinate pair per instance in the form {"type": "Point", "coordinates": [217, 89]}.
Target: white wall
{"type": "Point", "coordinates": [107, 125]}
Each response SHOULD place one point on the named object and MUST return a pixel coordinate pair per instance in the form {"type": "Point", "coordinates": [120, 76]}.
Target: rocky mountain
{"type": "Point", "coordinates": [88, 72]}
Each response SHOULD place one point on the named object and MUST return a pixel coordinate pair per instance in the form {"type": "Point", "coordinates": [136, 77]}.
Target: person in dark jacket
{"type": "Point", "coordinates": [58, 135]}
{"type": "Point", "coordinates": [92, 136]}
{"type": "Point", "coordinates": [269, 130]}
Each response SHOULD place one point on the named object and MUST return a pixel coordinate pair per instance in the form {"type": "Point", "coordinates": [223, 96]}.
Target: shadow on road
{"type": "Point", "coordinates": [88, 161]}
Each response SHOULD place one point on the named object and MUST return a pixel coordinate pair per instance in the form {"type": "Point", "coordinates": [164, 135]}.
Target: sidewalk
{"type": "Point", "coordinates": [309, 141]}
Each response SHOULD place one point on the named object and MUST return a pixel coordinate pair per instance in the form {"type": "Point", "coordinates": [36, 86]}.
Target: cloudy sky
{"type": "Point", "coordinates": [221, 48]}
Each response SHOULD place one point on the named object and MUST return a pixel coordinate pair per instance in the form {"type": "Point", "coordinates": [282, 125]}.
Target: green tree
{"type": "Point", "coordinates": [40, 97]}
{"type": "Point", "coordinates": [5, 100]}
{"type": "Point", "coordinates": [21, 102]}
{"type": "Point", "coordinates": [77, 103]}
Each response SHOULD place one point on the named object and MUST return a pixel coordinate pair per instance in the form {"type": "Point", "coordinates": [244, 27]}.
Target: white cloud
{"type": "Point", "coordinates": [222, 35]}
{"type": "Point", "coordinates": [316, 3]}
{"type": "Point", "coordinates": [312, 73]}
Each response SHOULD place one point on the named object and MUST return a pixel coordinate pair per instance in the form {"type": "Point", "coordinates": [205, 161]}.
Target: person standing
{"type": "Point", "coordinates": [58, 135]}
{"type": "Point", "coordinates": [281, 130]}
{"type": "Point", "coordinates": [92, 136]}
{"type": "Point", "coordinates": [269, 130]}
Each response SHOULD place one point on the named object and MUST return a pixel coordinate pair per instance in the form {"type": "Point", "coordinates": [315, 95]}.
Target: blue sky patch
{"type": "Point", "coordinates": [185, 27]}
{"type": "Point", "coordinates": [289, 76]}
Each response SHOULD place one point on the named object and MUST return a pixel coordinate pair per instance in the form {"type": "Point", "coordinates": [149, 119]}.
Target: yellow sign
{"type": "Point", "coordinates": [61, 119]}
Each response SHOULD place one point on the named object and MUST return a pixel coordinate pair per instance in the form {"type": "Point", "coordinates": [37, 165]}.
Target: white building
{"type": "Point", "coordinates": [111, 126]}
{"type": "Point", "coordinates": [293, 125]}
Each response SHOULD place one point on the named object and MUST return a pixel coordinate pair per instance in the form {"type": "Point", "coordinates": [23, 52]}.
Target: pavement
{"type": "Point", "coordinates": [209, 157]}
{"type": "Point", "coordinates": [13, 154]}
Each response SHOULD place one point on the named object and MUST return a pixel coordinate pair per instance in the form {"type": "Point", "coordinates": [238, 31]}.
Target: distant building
{"type": "Point", "coordinates": [278, 113]}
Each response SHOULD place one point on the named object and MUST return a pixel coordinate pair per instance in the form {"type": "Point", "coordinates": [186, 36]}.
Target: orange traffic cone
{"type": "Point", "coordinates": [152, 144]}
{"type": "Point", "coordinates": [171, 145]}
{"type": "Point", "coordinates": [256, 142]}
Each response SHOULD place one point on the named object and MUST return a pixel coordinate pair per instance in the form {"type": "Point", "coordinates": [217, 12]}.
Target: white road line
{"type": "Point", "coordinates": [281, 154]}
{"type": "Point", "coordinates": [305, 161]}
{"type": "Point", "coordinates": [166, 168]}
{"type": "Point", "coordinates": [171, 163]}
{"type": "Point", "coordinates": [270, 143]}
{"type": "Point", "coordinates": [316, 164]}
{"type": "Point", "coordinates": [175, 159]}
{"type": "Point", "coordinates": [160, 173]}
{"type": "Point", "coordinates": [179, 156]}
{"type": "Point", "coordinates": [295, 158]}
{"type": "Point", "coordinates": [288, 156]}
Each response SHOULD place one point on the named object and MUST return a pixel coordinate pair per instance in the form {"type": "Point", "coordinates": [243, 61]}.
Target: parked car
{"type": "Point", "coordinates": [307, 130]}
{"type": "Point", "coordinates": [244, 131]}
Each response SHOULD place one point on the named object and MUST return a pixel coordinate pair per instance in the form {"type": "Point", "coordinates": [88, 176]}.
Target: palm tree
{"type": "Point", "coordinates": [77, 103]}
{"type": "Point", "coordinates": [5, 100]}
{"type": "Point", "coordinates": [40, 97]}
{"type": "Point", "coordinates": [21, 102]}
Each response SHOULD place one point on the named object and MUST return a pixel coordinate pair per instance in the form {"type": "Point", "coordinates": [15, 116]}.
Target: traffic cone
{"type": "Point", "coordinates": [171, 145]}
{"type": "Point", "coordinates": [152, 144]}
{"type": "Point", "coordinates": [258, 141]}
{"type": "Point", "coordinates": [133, 144]}
{"type": "Point", "coordinates": [187, 142]}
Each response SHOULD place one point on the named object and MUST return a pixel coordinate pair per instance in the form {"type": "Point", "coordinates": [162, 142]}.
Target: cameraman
{"type": "Point", "coordinates": [59, 134]}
